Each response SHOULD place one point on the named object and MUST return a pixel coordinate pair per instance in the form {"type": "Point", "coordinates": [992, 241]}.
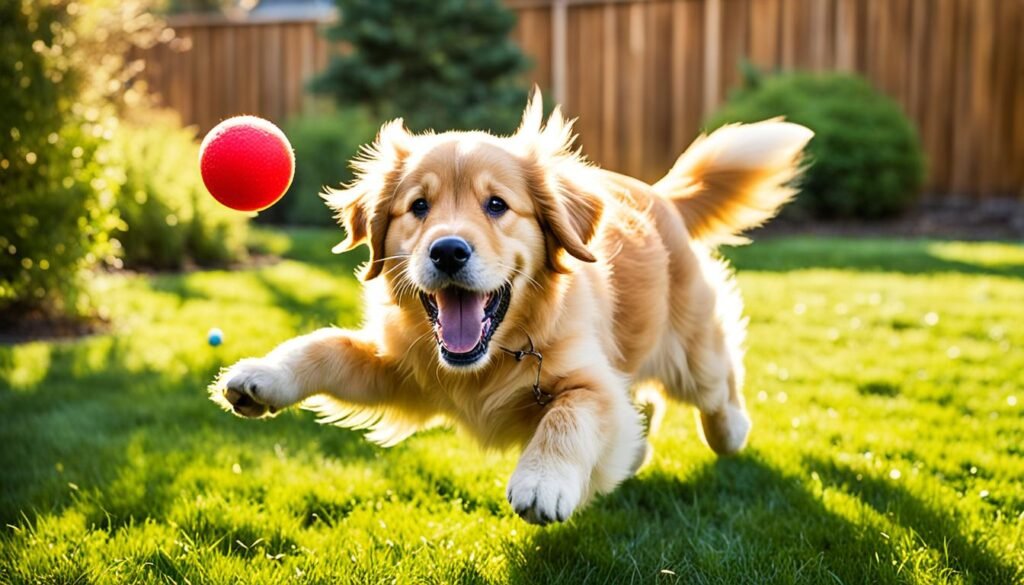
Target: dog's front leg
{"type": "Point", "coordinates": [332, 360]}
{"type": "Point", "coordinates": [586, 442]}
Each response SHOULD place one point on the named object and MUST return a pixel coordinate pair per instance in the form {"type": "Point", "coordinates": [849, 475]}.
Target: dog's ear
{"type": "Point", "coordinates": [568, 210]}
{"type": "Point", "coordinates": [363, 207]}
{"type": "Point", "coordinates": [569, 216]}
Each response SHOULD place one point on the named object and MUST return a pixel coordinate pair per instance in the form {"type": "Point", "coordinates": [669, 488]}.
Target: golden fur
{"type": "Point", "coordinates": [612, 279]}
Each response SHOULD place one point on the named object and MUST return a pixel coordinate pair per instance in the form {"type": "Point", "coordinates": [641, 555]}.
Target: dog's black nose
{"type": "Point", "coordinates": [450, 254]}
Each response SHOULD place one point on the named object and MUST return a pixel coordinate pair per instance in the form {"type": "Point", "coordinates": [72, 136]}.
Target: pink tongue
{"type": "Point", "coordinates": [461, 315]}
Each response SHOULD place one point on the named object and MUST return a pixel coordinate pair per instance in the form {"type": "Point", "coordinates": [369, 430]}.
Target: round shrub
{"type": "Point", "coordinates": [324, 145]}
{"type": "Point", "coordinates": [57, 188]}
{"type": "Point", "coordinates": [865, 159]}
{"type": "Point", "coordinates": [169, 219]}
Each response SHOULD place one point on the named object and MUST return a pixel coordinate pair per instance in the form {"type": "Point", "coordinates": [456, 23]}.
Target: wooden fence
{"type": "Point", "coordinates": [641, 75]}
{"type": "Point", "coordinates": [215, 68]}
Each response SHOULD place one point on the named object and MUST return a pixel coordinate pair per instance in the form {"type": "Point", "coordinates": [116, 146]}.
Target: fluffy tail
{"type": "Point", "coordinates": [735, 179]}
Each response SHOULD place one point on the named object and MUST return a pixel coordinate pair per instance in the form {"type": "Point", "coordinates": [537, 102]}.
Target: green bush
{"type": "Point", "coordinates": [169, 217]}
{"type": "Point", "coordinates": [446, 64]}
{"type": "Point", "coordinates": [865, 159]}
{"type": "Point", "coordinates": [57, 190]}
{"type": "Point", "coordinates": [324, 145]}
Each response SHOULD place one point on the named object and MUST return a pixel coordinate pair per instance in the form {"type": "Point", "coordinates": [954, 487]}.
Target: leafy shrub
{"type": "Point", "coordinates": [446, 64]}
{"type": "Point", "coordinates": [324, 145]}
{"type": "Point", "coordinates": [866, 159]}
{"type": "Point", "coordinates": [56, 209]}
{"type": "Point", "coordinates": [168, 215]}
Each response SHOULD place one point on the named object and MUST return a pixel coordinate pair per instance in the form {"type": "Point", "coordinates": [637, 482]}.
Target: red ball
{"type": "Point", "coordinates": [247, 163]}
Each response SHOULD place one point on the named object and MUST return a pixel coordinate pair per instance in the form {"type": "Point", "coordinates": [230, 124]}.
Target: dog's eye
{"type": "Point", "coordinates": [420, 207]}
{"type": "Point", "coordinates": [496, 206]}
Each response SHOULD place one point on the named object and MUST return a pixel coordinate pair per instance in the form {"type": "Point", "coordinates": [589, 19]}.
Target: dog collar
{"type": "Point", "coordinates": [542, 397]}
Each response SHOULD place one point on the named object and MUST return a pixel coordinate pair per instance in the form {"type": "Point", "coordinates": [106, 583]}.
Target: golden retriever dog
{"type": "Point", "coordinates": [483, 248]}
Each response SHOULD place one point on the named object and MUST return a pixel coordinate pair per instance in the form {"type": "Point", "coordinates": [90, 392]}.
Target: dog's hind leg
{"type": "Point", "coordinates": [710, 377]}
{"type": "Point", "coordinates": [700, 358]}
{"type": "Point", "coordinates": [715, 359]}
{"type": "Point", "coordinates": [722, 412]}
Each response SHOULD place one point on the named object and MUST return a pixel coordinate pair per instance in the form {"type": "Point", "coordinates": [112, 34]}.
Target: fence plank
{"type": "Point", "coordinates": [1017, 152]}
{"type": "Point", "coordinates": [609, 148]}
{"type": "Point", "coordinates": [764, 33]}
{"type": "Point", "coordinates": [712, 54]}
{"type": "Point", "coordinates": [634, 94]}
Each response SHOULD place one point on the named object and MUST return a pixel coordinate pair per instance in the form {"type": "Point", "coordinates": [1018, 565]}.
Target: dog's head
{"type": "Point", "coordinates": [466, 226]}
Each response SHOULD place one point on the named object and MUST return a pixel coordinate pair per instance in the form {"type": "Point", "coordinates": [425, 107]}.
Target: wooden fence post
{"type": "Point", "coordinates": [559, 59]}
{"type": "Point", "coordinates": [712, 54]}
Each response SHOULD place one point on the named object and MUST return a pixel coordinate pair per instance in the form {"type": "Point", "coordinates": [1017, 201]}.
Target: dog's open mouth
{"type": "Point", "coordinates": [465, 320]}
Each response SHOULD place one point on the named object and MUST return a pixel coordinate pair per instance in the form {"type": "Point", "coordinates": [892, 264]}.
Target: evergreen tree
{"type": "Point", "coordinates": [444, 64]}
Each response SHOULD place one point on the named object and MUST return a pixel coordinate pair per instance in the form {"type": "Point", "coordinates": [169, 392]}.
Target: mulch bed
{"type": "Point", "coordinates": [21, 327]}
{"type": "Point", "coordinates": [997, 219]}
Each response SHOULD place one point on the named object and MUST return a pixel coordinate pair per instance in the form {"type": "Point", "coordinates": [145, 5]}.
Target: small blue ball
{"type": "Point", "coordinates": [215, 337]}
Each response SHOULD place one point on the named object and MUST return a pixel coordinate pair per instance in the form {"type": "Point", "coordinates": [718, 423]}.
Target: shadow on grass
{"type": "Point", "coordinates": [309, 244]}
{"type": "Point", "coordinates": [323, 311]}
{"type": "Point", "coordinates": [309, 312]}
{"type": "Point", "coordinates": [735, 516]}
{"type": "Point", "coordinates": [871, 255]}
{"type": "Point", "coordinates": [94, 415]}
{"type": "Point", "coordinates": [939, 530]}
{"type": "Point", "coordinates": [314, 246]}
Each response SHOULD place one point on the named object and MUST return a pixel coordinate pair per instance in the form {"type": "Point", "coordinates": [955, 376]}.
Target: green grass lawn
{"type": "Point", "coordinates": [884, 379]}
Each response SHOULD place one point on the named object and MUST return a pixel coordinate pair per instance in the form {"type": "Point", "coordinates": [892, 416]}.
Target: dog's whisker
{"type": "Point", "coordinates": [437, 372]}
{"type": "Point", "coordinates": [514, 269]}
{"type": "Point", "coordinates": [401, 264]}
{"type": "Point", "coordinates": [403, 281]}
{"type": "Point", "coordinates": [533, 282]}
{"type": "Point", "coordinates": [393, 257]}
{"type": "Point", "coordinates": [419, 339]}
{"type": "Point", "coordinates": [406, 284]}
{"type": "Point", "coordinates": [414, 343]}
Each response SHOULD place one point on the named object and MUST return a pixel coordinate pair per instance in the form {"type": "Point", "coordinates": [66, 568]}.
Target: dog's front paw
{"type": "Point", "coordinates": [254, 388]}
{"type": "Point", "coordinates": [545, 494]}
